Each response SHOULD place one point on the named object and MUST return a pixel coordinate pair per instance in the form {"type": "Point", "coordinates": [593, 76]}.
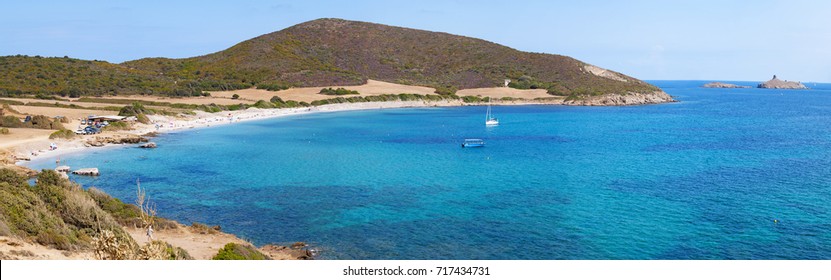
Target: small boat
{"type": "Point", "coordinates": [490, 120]}
{"type": "Point", "coordinates": [473, 143]}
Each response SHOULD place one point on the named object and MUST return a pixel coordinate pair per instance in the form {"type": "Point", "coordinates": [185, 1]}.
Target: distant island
{"type": "Point", "coordinates": [723, 85]}
{"type": "Point", "coordinates": [780, 84]}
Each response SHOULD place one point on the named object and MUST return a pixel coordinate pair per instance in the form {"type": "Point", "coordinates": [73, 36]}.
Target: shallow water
{"type": "Point", "coordinates": [703, 178]}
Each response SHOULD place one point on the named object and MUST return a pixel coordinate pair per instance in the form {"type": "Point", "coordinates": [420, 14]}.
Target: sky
{"type": "Point", "coordinates": [652, 40]}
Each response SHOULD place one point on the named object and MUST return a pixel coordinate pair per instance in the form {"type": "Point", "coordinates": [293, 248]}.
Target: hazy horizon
{"type": "Point", "coordinates": [649, 40]}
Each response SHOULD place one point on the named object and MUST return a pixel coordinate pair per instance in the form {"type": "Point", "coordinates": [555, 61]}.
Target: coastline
{"type": "Point", "coordinates": [200, 245]}
{"type": "Point", "coordinates": [207, 245]}
{"type": "Point", "coordinates": [37, 149]}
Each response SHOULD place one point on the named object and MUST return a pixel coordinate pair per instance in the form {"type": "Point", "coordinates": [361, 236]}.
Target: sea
{"type": "Point", "coordinates": [720, 174]}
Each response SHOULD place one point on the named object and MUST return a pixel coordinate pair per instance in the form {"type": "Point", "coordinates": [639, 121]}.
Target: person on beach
{"type": "Point", "coordinates": [150, 233]}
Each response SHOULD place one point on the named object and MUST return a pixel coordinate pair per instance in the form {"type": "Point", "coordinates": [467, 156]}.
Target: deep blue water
{"type": "Point", "coordinates": [703, 178]}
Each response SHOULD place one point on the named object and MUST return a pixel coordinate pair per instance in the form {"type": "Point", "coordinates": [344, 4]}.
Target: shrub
{"type": "Point", "coordinates": [235, 96]}
{"type": "Point", "coordinates": [276, 99]}
{"type": "Point", "coordinates": [4, 130]}
{"type": "Point", "coordinates": [160, 250]}
{"type": "Point", "coordinates": [27, 216]}
{"type": "Point", "coordinates": [237, 107]}
{"type": "Point", "coordinates": [273, 86]}
{"type": "Point", "coordinates": [339, 91]}
{"type": "Point", "coordinates": [134, 109]}
{"type": "Point", "coordinates": [9, 176]}
{"type": "Point", "coordinates": [262, 104]}
{"type": "Point", "coordinates": [125, 214]}
{"type": "Point", "coordinates": [472, 99]}
{"type": "Point", "coordinates": [142, 118]}
{"type": "Point", "coordinates": [118, 126]}
{"type": "Point", "coordinates": [212, 108]}
{"type": "Point", "coordinates": [39, 122]}
{"type": "Point", "coordinates": [62, 134]}
{"type": "Point", "coordinates": [446, 90]}
{"type": "Point", "coordinates": [233, 251]}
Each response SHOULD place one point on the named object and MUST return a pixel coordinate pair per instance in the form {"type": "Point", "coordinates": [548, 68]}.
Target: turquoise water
{"type": "Point", "coordinates": [703, 178]}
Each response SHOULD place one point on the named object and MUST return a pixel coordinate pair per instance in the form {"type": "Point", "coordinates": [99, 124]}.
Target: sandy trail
{"type": "Point", "coordinates": [12, 248]}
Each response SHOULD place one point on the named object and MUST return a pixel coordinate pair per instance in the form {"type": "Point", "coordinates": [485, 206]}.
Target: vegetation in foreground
{"type": "Point", "coordinates": [233, 251]}
{"type": "Point", "coordinates": [59, 214]}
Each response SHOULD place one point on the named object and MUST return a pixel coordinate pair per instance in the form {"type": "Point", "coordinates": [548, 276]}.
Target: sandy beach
{"type": "Point", "coordinates": [34, 143]}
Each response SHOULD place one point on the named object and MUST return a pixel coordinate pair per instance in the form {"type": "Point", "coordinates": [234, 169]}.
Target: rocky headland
{"type": "Point", "coordinates": [722, 85]}
{"type": "Point", "coordinates": [615, 99]}
{"type": "Point", "coordinates": [780, 84]}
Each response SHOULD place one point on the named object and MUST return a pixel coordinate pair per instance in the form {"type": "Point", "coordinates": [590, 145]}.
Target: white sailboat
{"type": "Point", "coordinates": [490, 120]}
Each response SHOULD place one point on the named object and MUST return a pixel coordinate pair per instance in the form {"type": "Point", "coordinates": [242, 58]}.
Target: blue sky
{"type": "Point", "coordinates": [690, 40]}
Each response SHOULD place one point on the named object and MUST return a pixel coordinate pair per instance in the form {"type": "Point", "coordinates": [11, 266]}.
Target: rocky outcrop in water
{"type": "Point", "coordinates": [723, 85]}
{"type": "Point", "coordinates": [148, 145]}
{"type": "Point", "coordinates": [115, 139]}
{"type": "Point", "coordinates": [780, 84]}
{"type": "Point", "coordinates": [615, 99]}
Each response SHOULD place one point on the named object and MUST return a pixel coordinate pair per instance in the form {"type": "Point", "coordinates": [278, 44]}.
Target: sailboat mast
{"type": "Point", "coordinates": [488, 112]}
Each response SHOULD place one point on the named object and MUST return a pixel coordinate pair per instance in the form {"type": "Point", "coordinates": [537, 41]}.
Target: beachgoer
{"type": "Point", "coordinates": [150, 233]}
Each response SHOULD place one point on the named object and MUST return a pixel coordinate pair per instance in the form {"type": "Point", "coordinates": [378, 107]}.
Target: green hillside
{"type": "Point", "coordinates": [323, 52]}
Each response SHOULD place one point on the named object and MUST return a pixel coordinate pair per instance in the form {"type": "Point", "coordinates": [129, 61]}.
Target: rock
{"type": "Point", "coordinates": [614, 99]}
{"type": "Point", "coordinates": [87, 172]}
{"type": "Point", "coordinates": [116, 139]}
{"type": "Point", "coordinates": [149, 145]}
{"type": "Point", "coordinates": [780, 84]}
{"type": "Point", "coordinates": [279, 252]}
{"type": "Point", "coordinates": [723, 85]}
{"type": "Point", "coordinates": [298, 245]}
{"type": "Point", "coordinates": [24, 158]}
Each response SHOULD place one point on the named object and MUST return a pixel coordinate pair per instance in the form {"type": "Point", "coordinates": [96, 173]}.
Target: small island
{"type": "Point", "coordinates": [780, 84]}
{"type": "Point", "coordinates": [723, 85]}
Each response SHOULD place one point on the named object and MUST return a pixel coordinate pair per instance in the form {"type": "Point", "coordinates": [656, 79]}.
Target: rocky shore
{"type": "Point", "coordinates": [722, 85]}
{"type": "Point", "coordinates": [631, 98]}
{"type": "Point", "coordinates": [99, 141]}
{"type": "Point", "coordinates": [776, 83]}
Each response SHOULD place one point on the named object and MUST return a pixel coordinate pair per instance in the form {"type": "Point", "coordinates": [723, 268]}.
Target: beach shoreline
{"type": "Point", "coordinates": [37, 150]}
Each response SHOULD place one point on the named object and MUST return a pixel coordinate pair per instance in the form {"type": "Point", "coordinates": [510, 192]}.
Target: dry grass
{"type": "Point", "coordinates": [499, 92]}
{"type": "Point", "coordinates": [309, 94]}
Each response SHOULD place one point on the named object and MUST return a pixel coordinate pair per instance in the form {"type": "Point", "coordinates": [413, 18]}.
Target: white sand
{"type": "Point", "coordinates": [37, 147]}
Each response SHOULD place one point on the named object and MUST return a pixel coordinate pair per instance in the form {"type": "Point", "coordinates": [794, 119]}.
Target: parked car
{"type": "Point", "coordinates": [91, 130]}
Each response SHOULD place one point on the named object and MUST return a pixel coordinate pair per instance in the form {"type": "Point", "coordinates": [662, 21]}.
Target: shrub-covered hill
{"type": "Point", "coordinates": [325, 52]}
{"type": "Point", "coordinates": [69, 77]}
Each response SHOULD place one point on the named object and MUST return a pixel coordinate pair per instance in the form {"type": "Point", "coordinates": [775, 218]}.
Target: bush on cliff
{"type": "Point", "coordinates": [233, 251]}
{"type": "Point", "coordinates": [54, 212]}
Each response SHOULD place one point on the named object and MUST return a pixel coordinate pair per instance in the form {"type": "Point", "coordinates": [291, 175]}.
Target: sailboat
{"type": "Point", "coordinates": [490, 120]}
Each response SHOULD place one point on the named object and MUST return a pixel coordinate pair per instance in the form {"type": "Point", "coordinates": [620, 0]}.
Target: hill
{"type": "Point", "coordinates": [327, 52]}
